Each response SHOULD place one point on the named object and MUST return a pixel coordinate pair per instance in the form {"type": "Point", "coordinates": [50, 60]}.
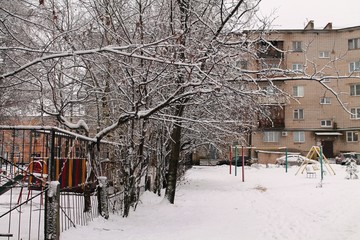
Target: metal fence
{"type": "Point", "coordinates": [32, 158]}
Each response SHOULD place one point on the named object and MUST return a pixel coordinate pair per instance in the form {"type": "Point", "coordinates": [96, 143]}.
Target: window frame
{"type": "Point", "coordinates": [353, 43]}
{"type": "Point", "coordinates": [354, 66]}
{"type": "Point", "coordinates": [271, 136]}
{"type": "Point", "coordinates": [355, 90]}
{"type": "Point", "coordinates": [325, 100]}
{"type": "Point", "coordinates": [324, 54]}
{"type": "Point", "coordinates": [297, 46]}
{"type": "Point", "coordinates": [352, 136]}
{"type": "Point", "coordinates": [298, 91]}
{"type": "Point", "coordinates": [326, 123]}
{"type": "Point", "coordinates": [355, 113]}
{"type": "Point", "coordinates": [298, 114]}
{"type": "Point", "coordinates": [79, 110]}
{"type": "Point", "coordinates": [299, 136]}
{"type": "Point", "coordinates": [297, 67]}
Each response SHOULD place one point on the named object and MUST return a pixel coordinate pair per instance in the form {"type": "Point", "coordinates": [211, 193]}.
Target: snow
{"type": "Point", "coordinates": [53, 187]}
{"type": "Point", "coordinates": [80, 124]}
{"type": "Point", "coordinates": [211, 204]}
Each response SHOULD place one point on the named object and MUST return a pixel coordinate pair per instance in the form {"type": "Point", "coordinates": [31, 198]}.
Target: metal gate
{"type": "Point", "coordinates": [32, 157]}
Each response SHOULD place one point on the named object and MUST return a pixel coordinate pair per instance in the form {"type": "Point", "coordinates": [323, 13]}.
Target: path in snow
{"type": "Point", "coordinates": [213, 205]}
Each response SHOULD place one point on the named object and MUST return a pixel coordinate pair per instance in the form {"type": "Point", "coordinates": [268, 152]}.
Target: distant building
{"type": "Point", "coordinates": [313, 115]}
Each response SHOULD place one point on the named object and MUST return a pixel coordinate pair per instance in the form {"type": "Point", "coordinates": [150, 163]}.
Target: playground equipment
{"type": "Point", "coordinates": [351, 169]}
{"type": "Point", "coordinates": [36, 175]}
{"type": "Point", "coordinates": [44, 170]}
{"type": "Point", "coordinates": [237, 157]}
{"type": "Point", "coordinates": [315, 154]}
{"type": "Point", "coordinates": [240, 156]}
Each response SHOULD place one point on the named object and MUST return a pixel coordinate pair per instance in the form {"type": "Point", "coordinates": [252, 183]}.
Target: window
{"type": "Point", "coordinates": [299, 114]}
{"type": "Point", "coordinates": [325, 100]}
{"type": "Point", "coordinates": [298, 91]}
{"type": "Point", "coordinates": [354, 67]}
{"type": "Point", "coordinates": [324, 54]}
{"type": "Point", "coordinates": [296, 46]}
{"type": "Point", "coordinates": [354, 43]}
{"type": "Point", "coordinates": [326, 123]}
{"type": "Point", "coordinates": [355, 113]}
{"type": "Point", "coordinates": [355, 90]}
{"type": "Point", "coordinates": [78, 110]}
{"type": "Point", "coordinates": [297, 67]}
{"type": "Point", "coordinates": [271, 136]}
{"type": "Point", "coordinates": [299, 137]}
{"type": "Point", "coordinates": [352, 136]}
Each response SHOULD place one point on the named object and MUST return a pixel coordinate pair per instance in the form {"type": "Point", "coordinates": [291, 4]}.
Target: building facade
{"type": "Point", "coordinates": [324, 90]}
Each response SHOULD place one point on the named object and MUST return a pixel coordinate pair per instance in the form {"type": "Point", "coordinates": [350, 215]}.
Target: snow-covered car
{"type": "Point", "coordinates": [344, 158]}
{"type": "Point", "coordinates": [291, 160]}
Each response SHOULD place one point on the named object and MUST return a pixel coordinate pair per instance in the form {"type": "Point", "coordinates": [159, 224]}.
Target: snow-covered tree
{"type": "Point", "coordinates": [159, 77]}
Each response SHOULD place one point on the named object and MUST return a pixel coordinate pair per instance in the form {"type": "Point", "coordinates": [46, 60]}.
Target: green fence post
{"type": "Point", "coordinates": [321, 163]}
{"type": "Point", "coordinates": [286, 160]}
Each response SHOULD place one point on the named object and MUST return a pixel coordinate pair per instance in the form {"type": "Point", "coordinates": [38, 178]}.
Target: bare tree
{"type": "Point", "coordinates": [159, 77]}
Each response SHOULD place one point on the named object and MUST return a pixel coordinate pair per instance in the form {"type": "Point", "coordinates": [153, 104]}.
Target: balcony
{"type": "Point", "coordinates": [272, 99]}
{"type": "Point", "coordinates": [276, 118]}
{"type": "Point", "coordinates": [272, 49]}
{"type": "Point", "coordinates": [278, 123]}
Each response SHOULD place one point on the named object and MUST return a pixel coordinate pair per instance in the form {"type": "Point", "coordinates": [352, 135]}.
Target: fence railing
{"type": "Point", "coordinates": [32, 160]}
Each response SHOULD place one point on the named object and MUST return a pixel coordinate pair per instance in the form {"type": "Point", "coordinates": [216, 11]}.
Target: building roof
{"type": "Point", "coordinates": [309, 28]}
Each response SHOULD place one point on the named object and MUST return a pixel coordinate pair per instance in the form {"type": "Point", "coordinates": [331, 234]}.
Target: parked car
{"type": "Point", "coordinates": [291, 160]}
{"type": "Point", "coordinates": [236, 161]}
{"type": "Point", "coordinates": [344, 158]}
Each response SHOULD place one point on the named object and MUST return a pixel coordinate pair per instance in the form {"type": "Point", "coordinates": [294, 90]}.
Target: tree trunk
{"type": "Point", "coordinates": [174, 157]}
{"type": "Point", "coordinates": [176, 134]}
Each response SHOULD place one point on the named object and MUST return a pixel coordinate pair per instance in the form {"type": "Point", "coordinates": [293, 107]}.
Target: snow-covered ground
{"type": "Point", "coordinates": [211, 204]}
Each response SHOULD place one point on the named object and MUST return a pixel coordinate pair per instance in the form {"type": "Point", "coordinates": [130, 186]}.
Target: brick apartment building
{"type": "Point", "coordinates": [314, 115]}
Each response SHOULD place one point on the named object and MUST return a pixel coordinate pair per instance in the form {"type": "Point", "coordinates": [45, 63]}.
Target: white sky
{"type": "Point", "coordinates": [290, 14]}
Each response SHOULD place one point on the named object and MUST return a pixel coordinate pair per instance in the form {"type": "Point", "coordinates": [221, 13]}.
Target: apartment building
{"type": "Point", "coordinates": [324, 107]}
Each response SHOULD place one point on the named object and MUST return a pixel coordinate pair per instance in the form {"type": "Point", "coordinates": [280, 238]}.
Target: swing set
{"type": "Point", "coordinates": [315, 154]}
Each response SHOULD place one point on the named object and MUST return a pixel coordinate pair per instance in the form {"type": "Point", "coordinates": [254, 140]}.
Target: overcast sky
{"type": "Point", "coordinates": [290, 14]}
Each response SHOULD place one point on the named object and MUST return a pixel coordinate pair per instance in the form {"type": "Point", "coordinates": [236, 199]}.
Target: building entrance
{"type": "Point", "coordinates": [328, 148]}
